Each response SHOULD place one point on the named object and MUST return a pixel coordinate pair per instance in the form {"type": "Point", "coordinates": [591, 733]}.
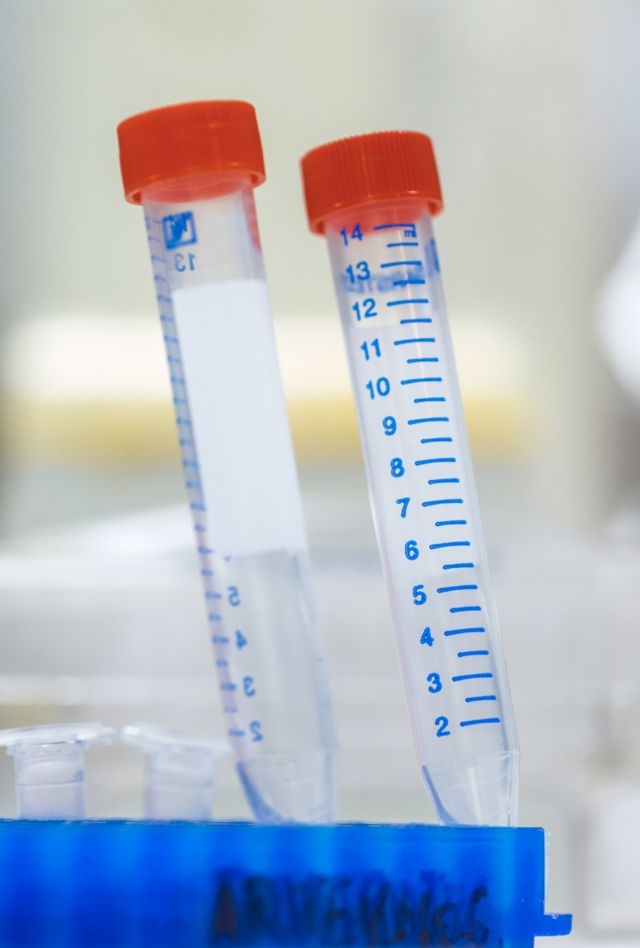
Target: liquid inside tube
{"type": "Point", "coordinates": [420, 475]}
{"type": "Point", "coordinates": [244, 496]}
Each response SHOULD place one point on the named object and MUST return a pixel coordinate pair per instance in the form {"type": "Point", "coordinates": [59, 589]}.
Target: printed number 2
{"type": "Point", "coordinates": [442, 725]}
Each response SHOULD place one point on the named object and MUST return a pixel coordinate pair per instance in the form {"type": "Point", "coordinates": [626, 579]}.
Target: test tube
{"type": "Point", "coordinates": [193, 167]}
{"type": "Point", "coordinates": [373, 197]}
{"type": "Point", "coordinates": [179, 778]}
{"type": "Point", "coordinates": [49, 768]}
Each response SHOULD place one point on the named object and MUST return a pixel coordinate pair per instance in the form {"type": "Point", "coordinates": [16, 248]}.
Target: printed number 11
{"type": "Point", "coordinates": [374, 347]}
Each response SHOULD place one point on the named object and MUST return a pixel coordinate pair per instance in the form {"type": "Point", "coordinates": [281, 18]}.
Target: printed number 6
{"type": "Point", "coordinates": [411, 550]}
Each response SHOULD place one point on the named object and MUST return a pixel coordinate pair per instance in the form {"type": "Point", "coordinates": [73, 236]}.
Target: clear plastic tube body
{"type": "Point", "coordinates": [244, 495]}
{"type": "Point", "coordinates": [388, 284]}
{"type": "Point", "coordinates": [49, 768]}
{"type": "Point", "coordinates": [179, 779]}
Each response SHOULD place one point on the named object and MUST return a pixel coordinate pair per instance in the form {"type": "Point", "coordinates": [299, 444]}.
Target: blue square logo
{"type": "Point", "coordinates": [179, 230]}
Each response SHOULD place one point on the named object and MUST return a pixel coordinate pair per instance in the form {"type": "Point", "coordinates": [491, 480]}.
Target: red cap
{"type": "Point", "coordinates": [366, 169]}
{"type": "Point", "coordinates": [189, 141]}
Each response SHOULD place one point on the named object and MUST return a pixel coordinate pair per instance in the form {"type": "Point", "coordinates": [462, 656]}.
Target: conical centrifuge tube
{"type": "Point", "coordinates": [194, 167]}
{"type": "Point", "coordinates": [373, 197]}
{"type": "Point", "coordinates": [49, 768]}
{"type": "Point", "coordinates": [179, 780]}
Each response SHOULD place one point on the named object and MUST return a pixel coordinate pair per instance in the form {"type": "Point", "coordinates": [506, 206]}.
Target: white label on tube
{"type": "Point", "coordinates": [240, 424]}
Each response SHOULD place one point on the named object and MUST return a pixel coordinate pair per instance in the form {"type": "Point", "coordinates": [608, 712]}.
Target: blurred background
{"type": "Point", "coordinates": [533, 111]}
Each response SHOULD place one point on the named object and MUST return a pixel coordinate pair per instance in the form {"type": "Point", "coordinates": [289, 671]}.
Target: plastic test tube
{"type": "Point", "coordinates": [179, 774]}
{"type": "Point", "coordinates": [193, 167]}
{"type": "Point", "coordinates": [49, 768]}
{"type": "Point", "coordinates": [373, 197]}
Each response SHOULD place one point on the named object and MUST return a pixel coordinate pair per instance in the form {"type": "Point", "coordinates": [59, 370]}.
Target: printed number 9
{"type": "Point", "coordinates": [390, 425]}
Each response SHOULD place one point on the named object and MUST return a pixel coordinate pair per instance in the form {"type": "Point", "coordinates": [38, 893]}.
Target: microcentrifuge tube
{"type": "Point", "coordinates": [194, 167]}
{"type": "Point", "coordinates": [373, 197]}
{"type": "Point", "coordinates": [49, 768]}
{"type": "Point", "coordinates": [179, 778]}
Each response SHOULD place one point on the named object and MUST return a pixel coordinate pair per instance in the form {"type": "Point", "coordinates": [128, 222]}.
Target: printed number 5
{"type": "Point", "coordinates": [419, 595]}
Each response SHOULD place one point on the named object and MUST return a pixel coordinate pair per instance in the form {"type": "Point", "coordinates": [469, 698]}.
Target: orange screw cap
{"type": "Point", "coordinates": [367, 169]}
{"type": "Point", "coordinates": [189, 141]}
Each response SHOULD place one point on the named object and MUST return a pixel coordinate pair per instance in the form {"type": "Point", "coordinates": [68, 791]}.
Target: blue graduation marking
{"type": "Point", "coordinates": [408, 302]}
{"type": "Point", "coordinates": [434, 440]}
{"type": "Point", "coordinates": [469, 631]}
{"type": "Point", "coordinates": [423, 319]}
{"type": "Point", "coordinates": [406, 342]}
{"type": "Point", "coordinates": [473, 652]}
{"type": "Point", "coordinates": [472, 677]}
{"type": "Point", "coordinates": [448, 543]}
{"type": "Point", "coordinates": [404, 243]}
{"type": "Point", "coordinates": [459, 566]}
{"type": "Point", "coordinates": [409, 281]}
{"type": "Point", "coordinates": [426, 421]}
{"type": "Point", "coordinates": [422, 461]}
{"type": "Point", "coordinates": [480, 721]}
{"type": "Point", "coordinates": [450, 523]}
{"type": "Point", "coordinates": [401, 263]}
{"type": "Point", "coordinates": [394, 226]}
{"type": "Point", "coordinates": [415, 381]}
{"type": "Point", "coordinates": [443, 480]}
{"type": "Point", "coordinates": [455, 609]}
{"type": "Point", "coordinates": [439, 503]}
{"type": "Point", "coordinates": [473, 698]}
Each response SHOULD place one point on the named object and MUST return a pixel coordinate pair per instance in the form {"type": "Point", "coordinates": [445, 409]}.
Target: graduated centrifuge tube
{"type": "Point", "coordinates": [179, 779]}
{"type": "Point", "coordinates": [194, 167]}
{"type": "Point", "coordinates": [373, 197]}
{"type": "Point", "coordinates": [49, 768]}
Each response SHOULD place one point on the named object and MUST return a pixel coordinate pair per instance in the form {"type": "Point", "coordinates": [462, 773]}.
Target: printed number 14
{"type": "Point", "coordinates": [356, 234]}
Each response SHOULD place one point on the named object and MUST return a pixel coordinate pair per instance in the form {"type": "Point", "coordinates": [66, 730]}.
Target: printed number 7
{"type": "Point", "coordinates": [404, 503]}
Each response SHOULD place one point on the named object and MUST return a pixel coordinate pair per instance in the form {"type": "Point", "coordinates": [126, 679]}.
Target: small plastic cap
{"type": "Point", "coordinates": [366, 169]}
{"type": "Point", "coordinates": [189, 141]}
